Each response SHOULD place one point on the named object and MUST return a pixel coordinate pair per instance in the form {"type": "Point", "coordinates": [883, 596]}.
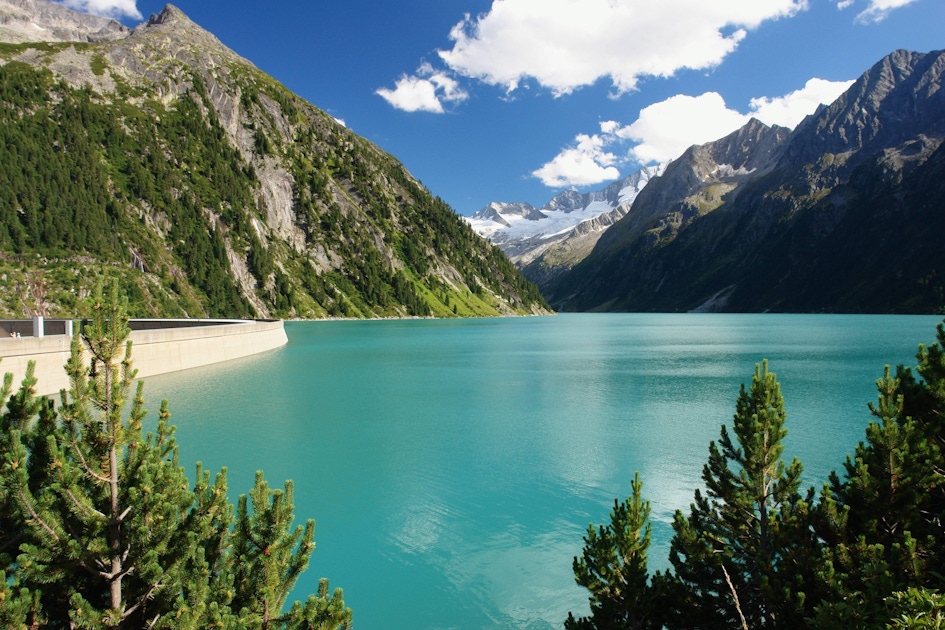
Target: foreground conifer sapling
{"type": "Point", "coordinates": [99, 527]}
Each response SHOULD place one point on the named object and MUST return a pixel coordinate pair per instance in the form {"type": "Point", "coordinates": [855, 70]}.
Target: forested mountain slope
{"type": "Point", "coordinates": [210, 189]}
{"type": "Point", "coordinates": [841, 215]}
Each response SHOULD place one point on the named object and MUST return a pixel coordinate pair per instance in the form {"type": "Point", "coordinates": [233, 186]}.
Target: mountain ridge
{"type": "Point", "coordinates": [214, 191]}
{"type": "Point", "coordinates": [819, 185]}
{"type": "Point", "coordinates": [545, 242]}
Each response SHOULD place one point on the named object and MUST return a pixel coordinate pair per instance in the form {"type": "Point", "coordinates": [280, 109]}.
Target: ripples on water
{"type": "Point", "coordinates": [453, 466]}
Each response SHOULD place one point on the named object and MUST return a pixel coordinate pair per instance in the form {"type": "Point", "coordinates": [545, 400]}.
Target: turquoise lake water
{"type": "Point", "coordinates": [453, 466]}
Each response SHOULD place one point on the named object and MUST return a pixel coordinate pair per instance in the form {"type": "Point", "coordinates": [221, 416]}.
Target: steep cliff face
{"type": "Point", "coordinates": [212, 190]}
{"type": "Point", "coordinates": [766, 220]}
{"type": "Point", "coordinates": [897, 100]}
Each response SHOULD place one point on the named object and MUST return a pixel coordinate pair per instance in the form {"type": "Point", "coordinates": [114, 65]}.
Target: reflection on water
{"type": "Point", "coordinates": [453, 466]}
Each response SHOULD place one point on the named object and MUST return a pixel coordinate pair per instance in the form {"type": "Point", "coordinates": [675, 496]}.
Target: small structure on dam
{"type": "Point", "coordinates": [158, 345]}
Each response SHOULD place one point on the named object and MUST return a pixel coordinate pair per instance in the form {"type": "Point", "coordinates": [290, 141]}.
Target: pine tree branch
{"type": "Point", "coordinates": [141, 600]}
{"type": "Point", "coordinates": [84, 508]}
{"type": "Point", "coordinates": [731, 587]}
{"type": "Point", "coordinates": [93, 571]}
{"type": "Point", "coordinates": [83, 463]}
{"type": "Point", "coordinates": [35, 516]}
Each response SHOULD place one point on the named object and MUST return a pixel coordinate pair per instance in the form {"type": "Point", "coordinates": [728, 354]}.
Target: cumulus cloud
{"type": "Point", "coordinates": [425, 91]}
{"type": "Point", "coordinates": [115, 9]}
{"type": "Point", "coordinates": [789, 110]}
{"type": "Point", "coordinates": [583, 163]}
{"type": "Point", "coordinates": [876, 10]}
{"type": "Point", "coordinates": [567, 44]}
{"type": "Point", "coordinates": [664, 130]}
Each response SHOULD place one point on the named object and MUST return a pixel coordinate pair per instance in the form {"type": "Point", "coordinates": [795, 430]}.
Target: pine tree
{"type": "Point", "coordinates": [98, 526]}
{"type": "Point", "coordinates": [745, 556]}
{"type": "Point", "coordinates": [20, 606]}
{"type": "Point", "coordinates": [613, 568]}
{"type": "Point", "coordinates": [105, 535]}
{"type": "Point", "coordinates": [269, 557]}
{"type": "Point", "coordinates": [924, 402]}
{"type": "Point", "coordinates": [883, 520]}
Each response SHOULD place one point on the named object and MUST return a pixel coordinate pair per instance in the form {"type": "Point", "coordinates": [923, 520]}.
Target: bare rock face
{"type": "Point", "coordinates": [897, 100]}
{"type": "Point", "coordinates": [185, 39]}
{"type": "Point", "coordinates": [738, 157]}
{"type": "Point", "coordinates": [277, 201]}
{"type": "Point", "coordinates": [44, 21]}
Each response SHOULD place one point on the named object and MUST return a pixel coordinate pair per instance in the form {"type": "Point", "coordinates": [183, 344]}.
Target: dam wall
{"type": "Point", "coordinates": [158, 346]}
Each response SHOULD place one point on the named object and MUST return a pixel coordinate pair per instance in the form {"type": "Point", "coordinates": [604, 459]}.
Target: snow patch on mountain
{"type": "Point", "coordinates": [508, 225]}
{"type": "Point", "coordinates": [727, 170]}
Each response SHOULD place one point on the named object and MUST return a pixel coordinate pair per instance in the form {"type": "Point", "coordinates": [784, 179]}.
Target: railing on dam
{"type": "Point", "coordinates": [36, 327]}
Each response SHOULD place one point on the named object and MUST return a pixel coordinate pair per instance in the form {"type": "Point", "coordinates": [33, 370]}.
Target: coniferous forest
{"type": "Point", "coordinates": [757, 550]}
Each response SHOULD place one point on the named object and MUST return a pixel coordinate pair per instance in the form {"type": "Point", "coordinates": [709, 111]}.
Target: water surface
{"type": "Point", "coordinates": [453, 466]}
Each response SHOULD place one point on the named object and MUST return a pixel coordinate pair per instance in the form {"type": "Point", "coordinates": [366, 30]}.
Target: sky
{"type": "Point", "coordinates": [517, 100]}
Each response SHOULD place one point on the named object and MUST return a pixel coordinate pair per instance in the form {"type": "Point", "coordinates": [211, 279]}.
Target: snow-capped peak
{"type": "Point", "coordinates": [510, 223]}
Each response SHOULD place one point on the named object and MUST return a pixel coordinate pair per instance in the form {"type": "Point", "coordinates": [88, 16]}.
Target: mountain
{"type": "Point", "coordinates": [840, 215]}
{"type": "Point", "coordinates": [41, 21]}
{"type": "Point", "coordinates": [160, 155]}
{"type": "Point", "coordinates": [547, 242]}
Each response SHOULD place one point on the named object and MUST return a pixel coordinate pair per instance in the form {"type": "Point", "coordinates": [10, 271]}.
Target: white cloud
{"type": "Point", "coordinates": [413, 94]}
{"type": "Point", "coordinates": [876, 10]}
{"type": "Point", "coordinates": [116, 9]}
{"type": "Point", "coordinates": [583, 164]}
{"type": "Point", "coordinates": [567, 44]}
{"type": "Point", "coordinates": [789, 110]}
{"type": "Point", "coordinates": [426, 91]}
{"type": "Point", "coordinates": [664, 130]}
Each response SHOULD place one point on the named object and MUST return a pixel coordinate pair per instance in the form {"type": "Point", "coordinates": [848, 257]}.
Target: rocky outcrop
{"type": "Point", "coordinates": [745, 154]}
{"type": "Point", "coordinates": [43, 21]}
{"type": "Point", "coordinates": [897, 100]}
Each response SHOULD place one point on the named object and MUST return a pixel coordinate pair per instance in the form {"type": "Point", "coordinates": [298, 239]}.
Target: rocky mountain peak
{"type": "Point", "coordinates": [565, 201]}
{"type": "Point", "coordinates": [753, 146]}
{"type": "Point", "coordinates": [169, 15]}
{"type": "Point", "coordinates": [897, 99]}
{"type": "Point", "coordinates": [173, 22]}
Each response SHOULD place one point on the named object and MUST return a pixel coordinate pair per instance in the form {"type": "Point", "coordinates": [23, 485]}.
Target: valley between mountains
{"type": "Point", "coordinates": [844, 213]}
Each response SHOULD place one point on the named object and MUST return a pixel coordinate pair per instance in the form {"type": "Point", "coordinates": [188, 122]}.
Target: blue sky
{"type": "Point", "coordinates": [516, 100]}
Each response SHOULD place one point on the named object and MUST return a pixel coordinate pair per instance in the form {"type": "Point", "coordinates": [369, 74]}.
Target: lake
{"type": "Point", "coordinates": [453, 466]}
